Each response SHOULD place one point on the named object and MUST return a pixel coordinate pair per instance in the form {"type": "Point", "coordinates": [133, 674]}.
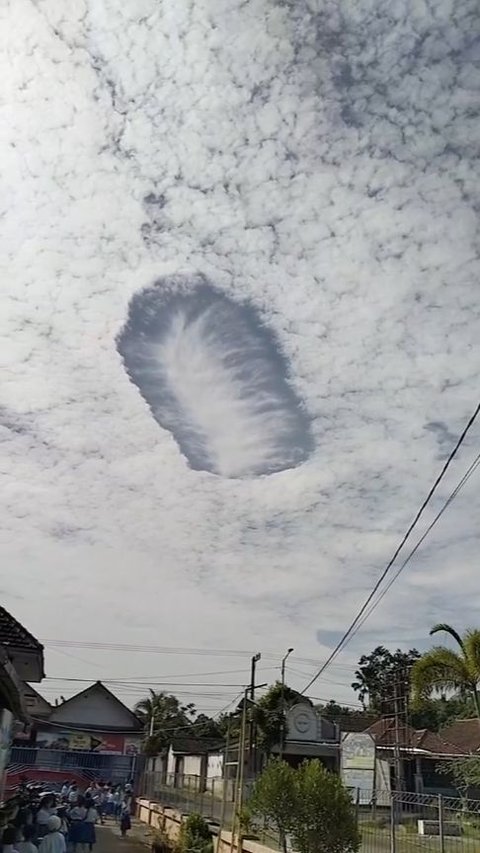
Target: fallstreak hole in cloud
{"type": "Point", "coordinates": [213, 375]}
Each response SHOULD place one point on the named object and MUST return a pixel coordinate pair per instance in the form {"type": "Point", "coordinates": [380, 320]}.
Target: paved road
{"type": "Point", "coordinates": [109, 840]}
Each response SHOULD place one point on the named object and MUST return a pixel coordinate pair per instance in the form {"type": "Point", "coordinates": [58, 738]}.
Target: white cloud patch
{"type": "Point", "coordinates": [317, 162]}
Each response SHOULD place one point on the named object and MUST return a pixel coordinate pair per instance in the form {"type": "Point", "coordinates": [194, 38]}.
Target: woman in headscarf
{"type": "Point", "coordinates": [53, 841]}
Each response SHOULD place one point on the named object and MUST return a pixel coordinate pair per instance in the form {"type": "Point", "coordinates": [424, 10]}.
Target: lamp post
{"type": "Point", "coordinates": [282, 704]}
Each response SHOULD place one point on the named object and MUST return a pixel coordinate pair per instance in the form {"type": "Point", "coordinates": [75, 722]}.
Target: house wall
{"type": "Point", "coordinates": [215, 766]}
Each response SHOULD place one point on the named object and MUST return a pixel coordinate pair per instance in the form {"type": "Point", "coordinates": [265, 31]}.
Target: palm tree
{"type": "Point", "coordinates": [443, 669]}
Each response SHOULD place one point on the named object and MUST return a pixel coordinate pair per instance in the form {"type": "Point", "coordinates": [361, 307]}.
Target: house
{"type": "Point", "coordinates": [24, 652]}
{"type": "Point", "coordinates": [192, 758]}
{"type": "Point", "coordinates": [94, 720]}
{"type": "Point", "coordinates": [420, 751]}
{"type": "Point", "coordinates": [91, 735]}
{"type": "Point", "coordinates": [21, 656]}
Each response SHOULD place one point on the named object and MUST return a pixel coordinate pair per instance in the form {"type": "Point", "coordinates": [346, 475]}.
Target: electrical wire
{"type": "Point", "coordinates": [347, 634]}
{"type": "Point", "coordinates": [471, 470]}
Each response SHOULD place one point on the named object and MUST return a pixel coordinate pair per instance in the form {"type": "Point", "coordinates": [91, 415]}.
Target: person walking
{"type": "Point", "coordinates": [77, 830]}
{"type": "Point", "coordinates": [89, 834]}
{"type": "Point", "coordinates": [53, 841]}
{"type": "Point", "coordinates": [125, 822]}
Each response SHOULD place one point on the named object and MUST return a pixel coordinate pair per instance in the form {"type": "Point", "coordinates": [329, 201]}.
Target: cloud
{"type": "Point", "coordinates": [316, 163]}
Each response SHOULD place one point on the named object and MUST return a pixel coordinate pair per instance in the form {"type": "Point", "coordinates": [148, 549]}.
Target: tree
{"type": "Point", "coordinates": [163, 713]}
{"type": "Point", "coordinates": [269, 715]}
{"type": "Point", "coordinates": [379, 673]}
{"type": "Point", "coordinates": [325, 819]}
{"type": "Point", "coordinates": [311, 804]}
{"type": "Point", "coordinates": [274, 797]}
{"type": "Point", "coordinates": [465, 773]}
{"type": "Point", "coordinates": [442, 669]}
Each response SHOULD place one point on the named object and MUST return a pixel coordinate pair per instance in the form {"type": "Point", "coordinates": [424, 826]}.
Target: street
{"type": "Point", "coordinates": [109, 840]}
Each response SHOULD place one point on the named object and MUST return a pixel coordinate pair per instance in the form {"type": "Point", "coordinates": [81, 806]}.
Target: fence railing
{"type": "Point", "coordinates": [389, 822]}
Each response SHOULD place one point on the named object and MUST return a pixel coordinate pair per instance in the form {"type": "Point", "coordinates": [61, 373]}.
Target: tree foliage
{"type": "Point", "coordinates": [377, 674]}
{"type": "Point", "coordinates": [169, 717]}
{"type": "Point", "coordinates": [325, 820]}
{"type": "Point", "coordinates": [311, 804]}
{"type": "Point", "coordinates": [445, 670]}
{"type": "Point", "coordinates": [465, 773]}
{"type": "Point", "coordinates": [274, 796]}
{"type": "Point", "coordinates": [195, 836]}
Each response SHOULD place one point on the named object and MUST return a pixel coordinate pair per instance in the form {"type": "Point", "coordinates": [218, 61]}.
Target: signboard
{"type": "Point", "coordinates": [358, 765]}
{"type": "Point", "coordinates": [86, 741]}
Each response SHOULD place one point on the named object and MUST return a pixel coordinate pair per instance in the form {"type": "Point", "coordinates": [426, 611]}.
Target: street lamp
{"type": "Point", "coordinates": [282, 702]}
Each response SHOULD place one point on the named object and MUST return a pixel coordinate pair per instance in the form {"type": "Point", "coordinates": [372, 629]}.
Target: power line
{"type": "Point", "coordinates": [471, 470]}
{"type": "Point", "coordinates": [342, 642]}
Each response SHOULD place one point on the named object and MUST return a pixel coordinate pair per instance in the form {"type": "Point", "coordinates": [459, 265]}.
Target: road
{"type": "Point", "coordinates": [109, 840]}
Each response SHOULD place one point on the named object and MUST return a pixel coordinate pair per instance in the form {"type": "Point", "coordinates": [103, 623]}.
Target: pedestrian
{"type": "Point", "coordinates": [9, 840]}
{"type": "Point", "coordinates": [117, 804]}
{"type": "Point", "coordinates": [110, 804]}
{"type": "Point", "coordinates": [89, 834]}
{"type": "Point", "coordinates": [53, 841]}
{"type": "Point", "coordinates": [77, 817]}
{"type": "Point", "coordinates": [65, 789]}
{"type": "Point", "coordinates": [27, 844]}
{"type": "Point", "coordinates": [73, 794]}
{"type": "Point", "coordinates": [125, 822]}
{"type": "Point", "coordinates": [42, 817]}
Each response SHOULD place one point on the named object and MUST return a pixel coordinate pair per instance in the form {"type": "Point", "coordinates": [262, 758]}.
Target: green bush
{"type": "Point", "coordinates": [195, 836]}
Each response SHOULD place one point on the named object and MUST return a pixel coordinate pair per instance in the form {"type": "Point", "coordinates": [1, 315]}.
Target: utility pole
{"type": "Point", "coordinates": [396, 804]}
{"type": "Point", "coordinates": [282, 705]}
{"type": "Point", "coordinates": [252, 746]}
{"type": "Point", "coordinates": [237, 805]}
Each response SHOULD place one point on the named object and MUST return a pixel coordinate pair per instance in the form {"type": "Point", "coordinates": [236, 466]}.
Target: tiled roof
{"type": "Point", "coordinates": [14, 636]}
{"type": "Point", "coordinates": [408, 738]}
{"type": "Point", "coordinates": [465, 734]}
{"type": "Point", "coordinates": [195, 746]}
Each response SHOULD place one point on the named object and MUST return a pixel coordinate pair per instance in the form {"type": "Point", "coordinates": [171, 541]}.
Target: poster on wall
{"type": "Point", "coordinates": [71, 740]}
{"type": "Point", "coordinates": [358, 765]}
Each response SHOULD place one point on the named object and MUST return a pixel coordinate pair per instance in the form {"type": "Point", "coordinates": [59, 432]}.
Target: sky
{"type": "Point", "coordinates": [289, 192]}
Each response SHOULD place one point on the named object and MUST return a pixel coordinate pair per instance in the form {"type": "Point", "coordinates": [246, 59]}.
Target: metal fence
{"type": "Point", "coordinates": [34, 763]}
{"type": "Point", "coordinates": [397, 822]}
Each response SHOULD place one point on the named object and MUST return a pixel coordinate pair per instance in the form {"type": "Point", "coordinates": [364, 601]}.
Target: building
{"type": "Point", "coordinates": [21, 657]}
{"type": "Point", "coordinates": [421, 753]}
{"type": "Point", "coordinates": [92, 735]}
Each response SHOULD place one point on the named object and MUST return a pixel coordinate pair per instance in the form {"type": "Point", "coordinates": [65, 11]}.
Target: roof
{"type": "Point", "coordinates": [418, 740]}
{"type": "Point", "coordinates": [465, 734]}
{"type": "Point", "coordinates": [195, 746]}
{"type": "Point", "coordinates": [13, 635]}
{"type": "Point", "coordinates": [354, 722]}
{"type": "Point", "coordinates": [98, 687]}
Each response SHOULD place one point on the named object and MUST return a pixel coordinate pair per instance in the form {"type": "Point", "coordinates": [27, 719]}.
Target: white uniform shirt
{"type": "Point", "coordinates": [53, 842]}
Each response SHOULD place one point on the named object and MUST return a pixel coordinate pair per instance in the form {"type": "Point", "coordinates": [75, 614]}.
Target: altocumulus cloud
{"type": "Point", "coordinates": [214, 376]}
{"type": "Point", "coordinates": [318, 163]}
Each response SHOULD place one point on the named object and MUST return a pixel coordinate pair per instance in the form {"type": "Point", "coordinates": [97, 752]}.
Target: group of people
{"type": "Point", "coordinates": [45, 822]}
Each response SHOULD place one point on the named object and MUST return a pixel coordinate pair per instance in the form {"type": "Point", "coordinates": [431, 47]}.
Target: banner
{"type": "Point", "coordinates": [86, 741]}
